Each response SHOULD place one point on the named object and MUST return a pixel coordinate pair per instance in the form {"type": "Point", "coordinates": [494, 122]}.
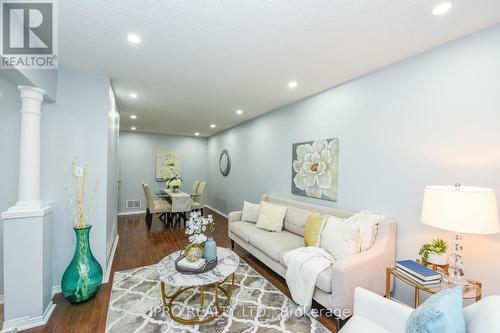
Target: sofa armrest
{"type": "Point", "coordinates": [234, 217]}
{"type": "Point", "coordinates": [366, 269]}
{"type": "Point", "coordinates": [381, 311]}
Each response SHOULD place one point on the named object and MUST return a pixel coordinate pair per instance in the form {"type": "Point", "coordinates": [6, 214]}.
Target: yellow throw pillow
{"type": "Point", "coordinates": [312, 231]}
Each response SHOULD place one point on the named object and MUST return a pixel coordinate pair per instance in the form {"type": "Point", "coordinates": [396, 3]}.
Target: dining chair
{"type": "Point", "coordinates": [195, 187]}
{"type": "Point", "coordinates": [155, 207]}
{"type": "Point", "coordinates": [199, 202]}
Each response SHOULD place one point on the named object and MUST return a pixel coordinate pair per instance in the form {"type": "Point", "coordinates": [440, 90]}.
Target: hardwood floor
{"type": "Point", "coordinates": [137, 247]}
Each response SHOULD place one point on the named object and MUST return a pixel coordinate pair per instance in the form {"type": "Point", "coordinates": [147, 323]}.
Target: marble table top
{"type": "Point", "coordinates": [227, 263]}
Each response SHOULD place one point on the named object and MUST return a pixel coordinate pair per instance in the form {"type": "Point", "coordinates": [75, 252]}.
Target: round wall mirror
{"type": "Point", "coordinates": [224, 163]}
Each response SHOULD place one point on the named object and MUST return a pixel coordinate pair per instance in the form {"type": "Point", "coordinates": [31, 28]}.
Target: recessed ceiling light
{"type": "Point", "coordinates": [196, 133]}
{"type": "Point", "coordinates": [239, 111]}
{"type": "Point", "coordinates": [134, 39]}
{"type": "Point", "coordinates": [133, 95]}
{"type": "Point", "coordinates": [212, 125]}
{"type": "Point", "coordinates": [292, 84]}
{"type": "Point", "coordinates": [441, 8]}
{"type": "Point", "coordinates": [133, 116]}
{"type": "Point", "coordinates": [133, 128]}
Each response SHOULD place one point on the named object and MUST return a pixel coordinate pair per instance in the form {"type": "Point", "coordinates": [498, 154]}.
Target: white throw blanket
{"type": "Point", "coordinates": [368, 223]}
{"type": "Point", "coordinates": [306, 263]}
{"type": "Point", "coordinates": [303, 267]}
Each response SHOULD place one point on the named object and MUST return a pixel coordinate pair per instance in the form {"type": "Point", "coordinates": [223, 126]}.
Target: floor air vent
{"type": "Point", "coordinates": [134, 204]}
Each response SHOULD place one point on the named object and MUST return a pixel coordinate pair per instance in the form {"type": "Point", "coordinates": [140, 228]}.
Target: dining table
{"type": "Point", "coordinates": [180, 201]}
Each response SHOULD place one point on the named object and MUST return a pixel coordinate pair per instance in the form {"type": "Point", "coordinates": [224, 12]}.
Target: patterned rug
{"type": "Point", "coordinates": [256, 306]}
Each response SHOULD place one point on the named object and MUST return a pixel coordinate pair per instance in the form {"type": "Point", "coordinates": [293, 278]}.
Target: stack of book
{"type": "Point", "coordinates": [184, 263]}
{"type": "Point", "coordinates": [418, 272]}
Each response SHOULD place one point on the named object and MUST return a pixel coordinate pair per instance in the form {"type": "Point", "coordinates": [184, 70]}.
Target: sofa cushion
{"type": "Point", "coordinates": [313, 229]}
{"type": "Point", "coordinates": [324, 280]}
{"type": "Point", "coordinates": [339, 238]}
{"type": "Point", "coordinates": [296, 219]}
{"type": "Point", "coordinates": [271, 216]}
{"type": "Point", "coordinates": [358, 324]}
{"type": "Point", "coordinates": [244, 229]}
{"type": "Point", "coordinates": [273, 243]}
{"type": "Point", "coordinates": [250, 212]}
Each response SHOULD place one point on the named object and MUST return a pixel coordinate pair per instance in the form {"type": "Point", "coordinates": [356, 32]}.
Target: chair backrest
{"type": "Point", "coordinates": [200, 192]}
{"type": "Point", "coordinates": [195, 187]}
{"type": "Point", "coordinates": [149, 197]}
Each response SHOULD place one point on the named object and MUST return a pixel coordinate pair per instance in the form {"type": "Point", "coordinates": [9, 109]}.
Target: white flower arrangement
{"type": "Point", "coordinates": [175, 183]}
{"type": "Point", "coordinates": [197, 225]}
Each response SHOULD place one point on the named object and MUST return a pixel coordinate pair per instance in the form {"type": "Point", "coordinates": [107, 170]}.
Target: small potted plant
{"type": "Point", "coordinates": [434, 252]}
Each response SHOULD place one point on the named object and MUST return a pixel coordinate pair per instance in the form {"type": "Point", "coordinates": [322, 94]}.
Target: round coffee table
{"type": "Point", "coordinates": [227, 263]}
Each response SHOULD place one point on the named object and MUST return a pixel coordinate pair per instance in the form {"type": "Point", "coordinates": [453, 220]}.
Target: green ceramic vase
{"type": "Point", "coordinates": [83, 277]}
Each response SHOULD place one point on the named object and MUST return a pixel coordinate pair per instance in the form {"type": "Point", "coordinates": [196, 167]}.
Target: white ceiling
{"type": "Point", "coordinates": [199, 61]}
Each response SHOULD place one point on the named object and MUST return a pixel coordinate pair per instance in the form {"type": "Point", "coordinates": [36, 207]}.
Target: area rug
{"type": "Point", "coordinates": [256, 306]}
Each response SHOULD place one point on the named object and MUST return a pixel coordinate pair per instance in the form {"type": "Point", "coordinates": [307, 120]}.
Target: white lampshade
{"type": "Point", "coordinates": [461, 209]}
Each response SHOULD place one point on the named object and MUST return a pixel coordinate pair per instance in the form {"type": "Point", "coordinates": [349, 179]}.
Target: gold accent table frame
{"type": "Point", "coordinates": [168, 301]}
{"type": "Point", "coordinates": [472, 292]}
{"type": "Point", "coordinates": [220, 280]}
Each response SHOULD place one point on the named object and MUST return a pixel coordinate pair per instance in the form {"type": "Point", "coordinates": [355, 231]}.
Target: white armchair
{"type": "Point", "coordinates": [374, 313]}
{"type": "Point", "coordinates": [377, 314]}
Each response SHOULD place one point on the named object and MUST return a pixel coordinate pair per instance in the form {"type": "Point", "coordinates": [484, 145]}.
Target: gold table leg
{"type": "Point", "coordinates": [168, 301]}
{"type": "Point", "coordinates": [388, 283]}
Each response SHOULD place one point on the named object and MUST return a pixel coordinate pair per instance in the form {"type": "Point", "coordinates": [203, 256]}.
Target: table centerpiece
{"type": "Point", "coordinates": [175, 184]}
{"type": "Point", "coordinates": [196, 227]}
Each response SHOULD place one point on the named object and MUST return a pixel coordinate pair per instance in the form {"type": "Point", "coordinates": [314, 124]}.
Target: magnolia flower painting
{"type": "Point", "coordinates": [314, 169]}
{"type": "Point", "coordinates": [168, 165]}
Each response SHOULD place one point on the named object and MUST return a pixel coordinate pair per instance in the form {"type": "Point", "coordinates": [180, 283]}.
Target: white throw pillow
{"type": "Point", "coordinates": [339, 238]}
{"type": "Point", "coordinates": [250, 212]}
{"type": "Point", "coordinates": [271, 216]}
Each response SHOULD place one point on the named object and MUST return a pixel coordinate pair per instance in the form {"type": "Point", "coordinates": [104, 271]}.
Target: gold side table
{"type": "Point", "coordinates": [472, 292]}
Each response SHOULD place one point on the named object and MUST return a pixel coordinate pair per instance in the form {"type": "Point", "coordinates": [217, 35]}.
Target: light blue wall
{"type": "Point", "coordinates": [76, 126]}
{"type": "Point", "coordinates": [138, 162]}
{"type": "Point", "coordinates": [45, 79]}
{"type": "Point", "coordinates": [10, 119]}
{"type": "Point", "coordinates": [433, 119]}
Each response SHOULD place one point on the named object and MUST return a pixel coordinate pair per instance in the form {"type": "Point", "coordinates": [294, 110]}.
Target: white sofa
{"type": "Point", "coordinates": [334, 286]}
{"type": "Point", "coordinates": [376, 314]}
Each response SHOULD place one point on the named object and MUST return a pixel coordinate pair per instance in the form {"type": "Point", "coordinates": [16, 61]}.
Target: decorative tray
{"type": "Point", "coordinates": [190, 271]}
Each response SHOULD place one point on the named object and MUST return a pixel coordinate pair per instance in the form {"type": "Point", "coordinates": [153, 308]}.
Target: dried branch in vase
{"type": "Point", "coordinates": [77, 199]}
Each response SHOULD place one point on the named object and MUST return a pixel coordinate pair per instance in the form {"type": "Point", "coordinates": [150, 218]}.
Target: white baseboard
{"type": "Point", "coordinates": [216, 210]}
{"type": "Point", "coordinates": [110, 260]}
{"type": "Point", "coordinates": [56, 290]}
{"type": "Point", "coordinates": [132, 212]}
{"type": "Point", "coordinates": [27, 322]}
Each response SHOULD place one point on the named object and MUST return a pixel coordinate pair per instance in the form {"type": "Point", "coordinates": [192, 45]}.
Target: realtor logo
{"type": "Point", "coordinates": [29, 34]}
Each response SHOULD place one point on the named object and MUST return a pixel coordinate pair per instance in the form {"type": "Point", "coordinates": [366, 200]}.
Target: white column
{"type": "Point", "coordinates": [29, 150]}
{"type": "Point", "coordinates": [27, 231]}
